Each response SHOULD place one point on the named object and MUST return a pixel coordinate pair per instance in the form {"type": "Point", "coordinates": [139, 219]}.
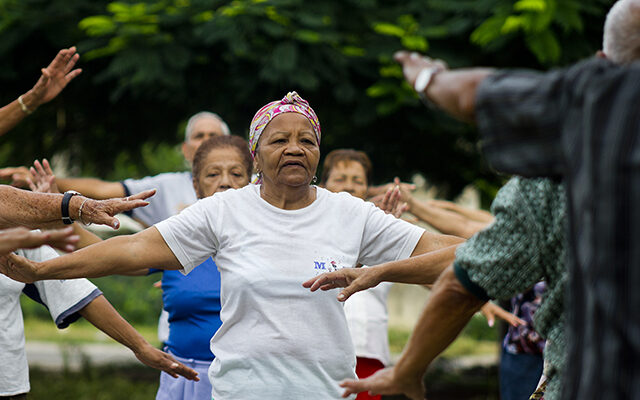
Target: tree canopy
{"type": "Point", "coordinates": [149, 65]}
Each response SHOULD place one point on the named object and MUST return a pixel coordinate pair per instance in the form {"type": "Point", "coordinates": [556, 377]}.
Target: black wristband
{"type": "Point", "coordinates": [64, 207]}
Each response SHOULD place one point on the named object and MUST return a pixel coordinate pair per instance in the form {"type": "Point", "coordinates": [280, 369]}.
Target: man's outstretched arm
{"type": "Point", "coordinates": [452, 91]}
{"type": "Point", "coordinates": [450, 308]}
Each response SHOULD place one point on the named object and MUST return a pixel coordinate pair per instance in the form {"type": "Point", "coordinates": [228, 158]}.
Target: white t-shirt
{"type": "Point", "coordinates": [367, 318]}
{"type": "Point", "coordinates": [175, 193]}
{"type": "Point", "coordinates": [63, 298]}
{"type": "Point", "coordinates": [278, 340]}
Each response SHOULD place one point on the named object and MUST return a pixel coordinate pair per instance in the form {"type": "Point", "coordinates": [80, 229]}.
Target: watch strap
{"type": "Point", "coordinates": [64, 206]}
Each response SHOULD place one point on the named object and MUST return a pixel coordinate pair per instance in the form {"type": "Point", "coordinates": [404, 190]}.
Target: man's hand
{"type": "Point", "coordinates": [23, 238]}
{"type": "Point", "coordinates": [19, 176]}
{"type": "Point", "coordinates": [413, 63]}
{"type": "Point", "coordinates": [54, 78]}
{"type": "Point", "coordinates": [103, 211]}
{"type": "Point", "coordinates": [385, 382]}
{"type": "Point", "coordinates": [352, 279]}
{"type": "Point", "coordinates": [157, 359]}
{"type": "Point", "coordinates": [491, 311]}
{"type": "Point", "coordinates": [19, 268]}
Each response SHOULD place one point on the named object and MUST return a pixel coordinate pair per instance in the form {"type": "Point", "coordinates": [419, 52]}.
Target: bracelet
{"type": "Point", "coordinates": [80, 213]}
{"type": "Point", "coordinates": [24, 108]}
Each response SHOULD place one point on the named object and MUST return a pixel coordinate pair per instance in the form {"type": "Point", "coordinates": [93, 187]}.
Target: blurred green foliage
{"type": "Point", "coordinates": [134, 297]}
{"type": "Point", "coordinates": [148, 65]}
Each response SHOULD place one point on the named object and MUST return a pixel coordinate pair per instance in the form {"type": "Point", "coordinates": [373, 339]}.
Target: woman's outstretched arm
{"type": "Point", "coordinates": [118, 255]}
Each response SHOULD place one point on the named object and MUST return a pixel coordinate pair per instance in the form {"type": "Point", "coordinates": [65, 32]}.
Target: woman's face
{"type": "Point", "coordinates": [288, 152]}
{"type": "Point", "coordinates": [223, 169]}
{"type": "Point", "coordinates": [348, 176]}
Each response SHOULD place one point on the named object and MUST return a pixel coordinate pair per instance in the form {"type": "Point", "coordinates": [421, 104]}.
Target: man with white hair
{"type": "Point", "coordinates": [581, 125]}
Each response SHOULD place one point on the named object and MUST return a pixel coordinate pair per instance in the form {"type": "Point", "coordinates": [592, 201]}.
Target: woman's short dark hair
{"type": "Point", "coordinates": [218, 142]}
{"type": "Point", "coordinates": [340, 155]}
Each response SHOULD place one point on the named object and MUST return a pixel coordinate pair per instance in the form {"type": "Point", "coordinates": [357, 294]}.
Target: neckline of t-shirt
{"type": "Point", "coordinates": [266, 204]}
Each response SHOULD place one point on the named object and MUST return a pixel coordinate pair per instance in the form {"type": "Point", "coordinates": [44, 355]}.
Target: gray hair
{"type": "Point", "coordinates": [202, 114]}
{"type": "Point", "coordinates": [621, 39]}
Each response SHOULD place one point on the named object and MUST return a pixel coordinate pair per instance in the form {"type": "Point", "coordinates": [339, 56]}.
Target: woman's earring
{"type": "Point", "coordinates": [314, 180]}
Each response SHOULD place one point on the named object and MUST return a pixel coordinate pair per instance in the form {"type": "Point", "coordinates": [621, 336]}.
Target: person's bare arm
{"type": "Point", "coordinates": [101, 314]}
{"type": "Point", "coordinates": [54, 78]}
{"type": "Point", "coordinates": [430, 241]}
{"type": "Point", "coordinates": [452, 91]}
{"type": "Point", "coordinates": [42, 210]}
{"type": "Point", "coordinates": [422, 269]}
{"type": "Point", "coordinates": [449, 309]}
{"type": "Point", "coordinates": [117, 255]}
{"type": "Point", "coordinates": [92, 187]}
{"type": "Point", "coordinates": [448, 222]}
{"type": "Point", "coordinates": [471, 213]}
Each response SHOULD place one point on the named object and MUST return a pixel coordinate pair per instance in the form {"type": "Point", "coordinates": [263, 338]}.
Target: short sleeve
{"type": "Point", "coordinates": [191, 235]}
{"type": "Point", "coordinates": [63, 298]}
{"type": "Point", "coordinates": [386, 238]}
{"type": "Point", "coordinates": [175, 192]}
{"type": "Point", "coordinates": [505, 258]}
{"type": "Point", "coordinates": [520, 119]}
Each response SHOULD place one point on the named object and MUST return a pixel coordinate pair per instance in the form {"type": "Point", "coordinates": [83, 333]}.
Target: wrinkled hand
{"type": "Point", "coordinates": [491, 311]}
{"type": "Point", "coordinates": [385, 382]}
{"type": "Point", "coordinates": [23, 238]}
{"type": "Point", "coordinates": [160, 360]}
{"type": "Point", "coordinates": [413, 63]}
{"type": "Point", "coordinates": [42, 178]}
{"type": "Point", "coordinates": [103, 211]}
{"type": "Point", "coordinates": [19, 176]}
{"type": "Point", "coordinates": [352, 280]}
{"type": "Point", "coordinates": [55, 77]}
{"type": "Point", "coordinates": [19, 268]}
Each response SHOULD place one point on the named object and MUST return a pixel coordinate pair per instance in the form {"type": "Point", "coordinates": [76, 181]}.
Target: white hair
{"type": "Point", "coordinates": [621, 39]}
{"type": "Point", "coordinates": [204, 114]}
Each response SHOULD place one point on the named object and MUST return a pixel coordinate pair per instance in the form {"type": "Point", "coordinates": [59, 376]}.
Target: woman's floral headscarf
{"type": "Point", "coordinates": [292, 102]}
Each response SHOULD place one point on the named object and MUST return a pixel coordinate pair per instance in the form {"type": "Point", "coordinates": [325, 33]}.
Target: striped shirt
{"type": "Point", "coordinates": [582, 124]}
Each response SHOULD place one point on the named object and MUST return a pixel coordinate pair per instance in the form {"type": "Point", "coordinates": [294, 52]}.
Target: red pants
{"type": "Point", "coordinates": [366, 367]}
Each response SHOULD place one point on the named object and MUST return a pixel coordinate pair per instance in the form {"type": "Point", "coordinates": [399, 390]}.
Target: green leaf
{"type": "Point", "coordinates": [513, 23]}
{"type": "Point", "coordinates": [416, 43]}
{"type": "Point", "coordinates": [388, 29]}
{"type": "Point", "coordinates": [98, 25]}
{"type": "Point", "coordinates": [488, 31]}
{"type": "Point", "coordinates": [530, 5]}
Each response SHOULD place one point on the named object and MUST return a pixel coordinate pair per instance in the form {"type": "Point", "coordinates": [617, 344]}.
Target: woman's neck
{"type": "Point", "coordinates": [288, 197]}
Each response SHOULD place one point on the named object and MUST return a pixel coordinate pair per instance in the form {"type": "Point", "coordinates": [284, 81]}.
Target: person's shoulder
{"type": "Point", "coordinates": [339, 197]}
{"type": "Point", "coordinates": [233, 196]}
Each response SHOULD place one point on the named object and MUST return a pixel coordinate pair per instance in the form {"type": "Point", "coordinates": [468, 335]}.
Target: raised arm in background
{"type": "Point", "coordinates": [54, 78]}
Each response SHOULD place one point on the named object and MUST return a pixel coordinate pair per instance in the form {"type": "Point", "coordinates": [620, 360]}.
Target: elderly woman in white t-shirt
{"type": "Point", "coordinates": [277, 340]}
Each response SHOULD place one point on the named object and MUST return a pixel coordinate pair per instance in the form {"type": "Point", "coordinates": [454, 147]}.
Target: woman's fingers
{"type": "Point", "coordinates": [142, 195]}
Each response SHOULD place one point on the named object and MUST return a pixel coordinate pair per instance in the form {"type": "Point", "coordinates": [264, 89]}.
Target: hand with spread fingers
{"type": "Point", "coordinates": [54, 78]}
{"type": "Point", "coordinates": [351, 279]}
{"type": "Point", "coordinates": [386, 381]}
{"type": "Point", "coordinates": [23, 238]}
{"type": "Point", "coordinates": [42, 178]}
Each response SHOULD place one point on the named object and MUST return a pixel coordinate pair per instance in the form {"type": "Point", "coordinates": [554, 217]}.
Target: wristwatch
{"type": "Point", "coordinates": [64, 207]}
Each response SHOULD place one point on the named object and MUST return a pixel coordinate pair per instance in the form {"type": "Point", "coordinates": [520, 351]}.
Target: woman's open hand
{"type": "Point", "coordinates": [351, 279]}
